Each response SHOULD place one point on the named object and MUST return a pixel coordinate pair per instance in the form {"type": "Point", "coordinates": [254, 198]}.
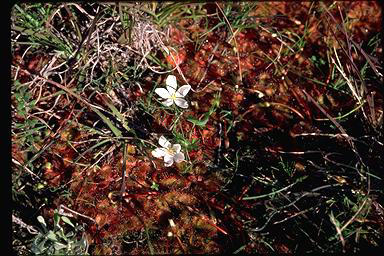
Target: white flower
{"type": "Point", "coordinates": [171, 95]}
{"type": "Point", "coordinates": [171, 153]}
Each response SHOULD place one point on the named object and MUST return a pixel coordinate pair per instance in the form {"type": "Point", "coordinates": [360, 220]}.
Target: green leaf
{"type": "Point", "coordinates": [240, 249]}
{"type": "Point", "coordinates": [39, 247]}
{"type": "Point", "coordinates": [111, 126]}
{"type": "Point", "coordinates": [202, 122]}
{"type": "Point", "coordinates": [82, 243]}
{"type": "Point", "coordinates": [70, 234]}
{"type": "Point", "coordinates": [155, 186]}
{"type": "Point", "coordinates": [41, 220]}
{"type": "Point", "coordinates": [118, 115]}
{"type": "Point", "coordinates": [150, 246]}
{"type": "Point", "coordinates": [198, 122]}
{"type": "Point", "coordinates": [59, 246]}
{"type": "Point", "coordinates": [68, 221]}
{"type": "Point", "coordinates": [56, 220]}
{"type": "Point", "coordinates": [61, 234]}
{"type": "Point", "coordinates": [51, 236]}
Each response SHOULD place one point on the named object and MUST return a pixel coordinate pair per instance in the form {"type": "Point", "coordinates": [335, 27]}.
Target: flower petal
{"type": "Point", "coordinates": [158, 152]}
{"type": "Point", "coordinates": [171, 90]}
{"type": "Point", "coordinates": [171, 81]}
{"type": "Point", "coordinates": [164, 142]}
{"type": "Point", "coordinates": [163, 93]}
{"type": "Point", "coordinates": [168, 102]}
{"type": "Point", "coordinates": [179, 157]}
{"type": "Point", "coordinates": [181, 102]}
{"type": "Point", "coordinates": [168, 160]}
{"type": "Point", "coordinates": [183, 90]}
{"type": "Point", "coordinates": [176, 148]}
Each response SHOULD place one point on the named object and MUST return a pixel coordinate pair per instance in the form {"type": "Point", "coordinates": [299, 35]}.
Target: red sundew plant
{"type": "Point", "coordinates": [200, 128]}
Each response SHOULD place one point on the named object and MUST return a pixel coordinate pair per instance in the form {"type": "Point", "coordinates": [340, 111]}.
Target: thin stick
{"type": "Point", "coordinates": [63, 207]}
{"type": "Point", "coordinates": [30, 228]}
{"type": "Point", "coordinates": [25, 168]}
{"type": "Point", "coordinates": [337, 125]}
{"type": "Point", "coordinates": [333, 220]}
{"type": "Point", "coordinates": [354, 216]}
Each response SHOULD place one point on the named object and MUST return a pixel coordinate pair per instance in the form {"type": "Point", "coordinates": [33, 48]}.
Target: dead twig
{"type": "Point", "coordinates": [350, 141]}
{"type": "Point", "coordinates": [25, 168]}
{"type": "Point", "coordinates": [22, 224]}
{"type": "Point", "coordinates": [62, 212]}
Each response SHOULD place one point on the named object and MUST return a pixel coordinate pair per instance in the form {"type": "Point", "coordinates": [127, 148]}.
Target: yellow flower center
{"type": "Point", "coordinates": [170, 151]}
{"type": "Point", "coordinates": [173, 96]}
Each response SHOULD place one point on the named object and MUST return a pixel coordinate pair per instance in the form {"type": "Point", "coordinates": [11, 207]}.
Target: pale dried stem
{"type": "Point", "coordinates": [22, 224]}
{"type": "Point", "coordinates": [18, 67]}
{"type": "Point", "coordinates": [278, 37]}
{"type": "Point", "coordinates": [354, 216]}
{"type": "Point", "coordinates": [341, 237]}
{"type": "Point", "coordinates": [63, 208]}
{"type": "Point", "coordinates": [350, 141]}
{"type": "Point", "coordinates": [25, 168]}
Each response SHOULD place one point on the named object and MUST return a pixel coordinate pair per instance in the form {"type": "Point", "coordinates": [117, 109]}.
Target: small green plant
{"type": "Point", "coordinates": [28, 131]}
{"type": "Point", "coordinates": [204, 120]}
{"type": "Point", "coordinates": [56, 241]}
{"type": "Point", "coordinates": [287, 167]}
{"type": "Point", "coordinates": [33, 16]}
{"type": "Point", "coordinates": [186, 143]}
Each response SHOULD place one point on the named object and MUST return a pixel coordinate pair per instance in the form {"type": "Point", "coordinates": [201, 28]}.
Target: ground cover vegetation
{"type": "Point", "coordinates": [201, 128]}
